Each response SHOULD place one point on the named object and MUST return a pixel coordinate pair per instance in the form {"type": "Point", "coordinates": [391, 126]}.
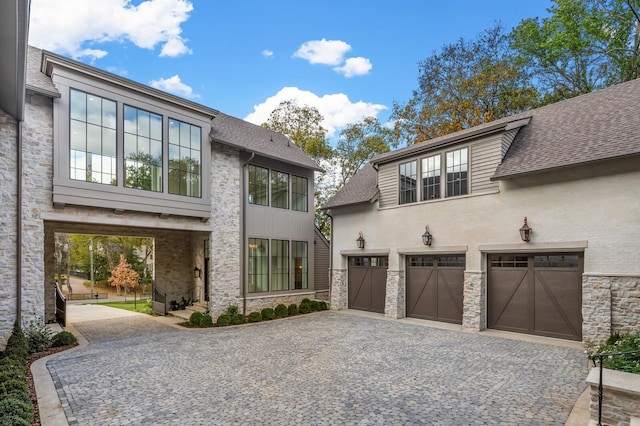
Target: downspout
{"type": "Point", "coordinates": [243, 274]}
{"type": "Point", "coordinates": [330, 254]}
{"type": "Point", "coordinates": [19, 225]}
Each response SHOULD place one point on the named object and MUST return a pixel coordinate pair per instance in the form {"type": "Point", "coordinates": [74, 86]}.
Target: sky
{"type": "Point", "coordinates": [350, 59]}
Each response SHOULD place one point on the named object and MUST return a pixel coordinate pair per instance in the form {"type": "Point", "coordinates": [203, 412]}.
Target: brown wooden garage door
{"type": "Point", "coordinates": [435, 287]}
{"type": "Point", "coordinates": [368, 283]}
{"type": "Point", "coordinates": [536, 294]}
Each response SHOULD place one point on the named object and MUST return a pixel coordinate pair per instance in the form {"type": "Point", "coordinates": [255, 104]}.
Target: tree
{"type": "Point", "coordinates": [124, 276]}
{"type": "Point", "coordinates": [583, 46]}
{"type": "Point", "coordinates": [301, 124]}
{"type": "Point", "coordinates": [465, 84]}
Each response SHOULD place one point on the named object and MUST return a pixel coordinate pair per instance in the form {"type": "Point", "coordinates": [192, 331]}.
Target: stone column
{"type": "Point", "coordinates": [395, 298]}
{"type": "Point", "coordinates": [338, 289]}
{"type": "Point", "coordinates": [474, 311]}
{"type": "Point", "coordinates": [596, 309]}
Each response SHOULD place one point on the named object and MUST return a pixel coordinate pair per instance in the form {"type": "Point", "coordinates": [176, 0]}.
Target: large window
{"type": "Point", "coordinates": [299, 264]}
{"type": "Point", "coordinates": [258, 185]}
{"type": "Point", "coordinates": [431, 178]}
{"type": "Point", "coordinates": [142, 149]}
{"type": "Point", "coordinates": [279, 189]}
{"type": "Point", "coordinates": [457, 172]}
{"type": "Point", "coordinates": [279, 265]}
{"type": "Point", "coordinates": [408, 178]}
{"type": "Point", "coordinates": [92, 138]}
{"type": "Point", "coordinates": [299, 197]}
{"type": "Point", "coordinates": [184, 159]}
{"type": "Point", "coordinates": [258, 265]}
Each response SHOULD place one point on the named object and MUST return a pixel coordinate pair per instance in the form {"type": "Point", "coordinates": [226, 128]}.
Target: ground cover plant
{"type": "Point", "coordinates": [621, 342]}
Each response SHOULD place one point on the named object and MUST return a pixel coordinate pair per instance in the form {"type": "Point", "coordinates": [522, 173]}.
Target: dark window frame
{"type": "Point", "coordinates": [256, 187]}
{"type": "Point", "coordinates": [407, 176]}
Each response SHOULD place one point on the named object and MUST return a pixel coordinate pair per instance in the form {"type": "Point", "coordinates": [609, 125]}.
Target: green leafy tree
{"type": "Point", "coordinates": [465, 84]}
{"type": "Point", "coordinates": [583, 46]}
{"type": "Point", "coordinates": [301, 124]}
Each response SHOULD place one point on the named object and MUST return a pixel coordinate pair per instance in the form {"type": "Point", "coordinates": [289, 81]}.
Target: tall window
{"type": "Point", "coordinates": [431, 178]}
{"type": "Point", "coordinates": [457, 172]}
{"type": "Point", "coordinates": [184, 159]}
{"type": "Point", "coordinates": [258, 265]}
{"type": "Point", "coordinates": [299, 196]}
{"type": "Point", "coordinates": [299, 264]}
{"type": "Point", "coordinates": [408, 182]}
{"type": "Point", "coordinates": [279, 265]}
{"type": "Point", "coordinates": [258, 185]}
{"type": "Point", "coordinates": [92, 138]}
{"type": "Point", "coordinates": [279, 189]}
{"type": "Point", "coordinates": [142, 149]}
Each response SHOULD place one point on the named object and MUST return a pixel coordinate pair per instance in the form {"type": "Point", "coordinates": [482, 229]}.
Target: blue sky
{"type": "Point", "coordinates": [350, 58]}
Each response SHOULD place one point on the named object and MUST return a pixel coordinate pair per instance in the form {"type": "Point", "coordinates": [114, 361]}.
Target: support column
{"type": "Point", "coordinates": [395, 299]}
{"type": "Point", "coordinates": [338, 289]}
{"type": "Point", "coordinates": [596, 309]}
{"type": "Point", "coordinates": [474, 308]}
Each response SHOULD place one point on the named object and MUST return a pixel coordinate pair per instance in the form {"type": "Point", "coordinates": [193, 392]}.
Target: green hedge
{"type": "Point", "coordinates": [15, 406]}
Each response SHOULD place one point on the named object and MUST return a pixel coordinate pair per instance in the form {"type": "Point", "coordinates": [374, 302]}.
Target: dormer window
{"type": "Point", "coordinates": [408, 176]}
{"type": "Point", "coordinates": [431, 178]}
{"type": "Point", "coordinates": [457, 172]}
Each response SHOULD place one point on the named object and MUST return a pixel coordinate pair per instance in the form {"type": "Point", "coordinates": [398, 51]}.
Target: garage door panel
{"type": "Point", "coordinates": [378, 289]}
{"type": "Point", "coordinates": [508, 299]}
{"type": "Point", "coordinates": [367, 278]}
{"type": "Point", "coordinates": [450, 294]}
{"type": "Point", "coordinates": [557, 304]}
{"type": "Point", "coordinates": [421, 292]}
{"type": "Point", "coordinates": [359, 288]}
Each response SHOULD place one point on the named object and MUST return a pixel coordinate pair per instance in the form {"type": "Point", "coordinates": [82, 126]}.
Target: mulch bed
{"type": "Point", "coordinates": [32, 388]}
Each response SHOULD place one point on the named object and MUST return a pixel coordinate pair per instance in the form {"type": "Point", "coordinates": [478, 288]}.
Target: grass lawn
{"type": "Point", "coordinates": [139, 306]}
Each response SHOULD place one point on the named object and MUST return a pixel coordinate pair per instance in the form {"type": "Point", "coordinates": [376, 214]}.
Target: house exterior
{"type": "Point", "coordinates": [441, 224]}
{"type": "Point", "coordinates": [229, 204]}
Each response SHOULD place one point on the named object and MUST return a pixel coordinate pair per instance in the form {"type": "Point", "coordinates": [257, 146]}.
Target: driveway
{"type": "Point", "coordinates": [318, 369]}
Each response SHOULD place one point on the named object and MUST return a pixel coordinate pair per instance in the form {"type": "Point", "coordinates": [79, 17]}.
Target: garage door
{"type": "Point", "coordinates": [368, 283]}
{"type": "Point", "coordinates": [435, 287]}
{"type": "Point", "coordinates": [536, 294]}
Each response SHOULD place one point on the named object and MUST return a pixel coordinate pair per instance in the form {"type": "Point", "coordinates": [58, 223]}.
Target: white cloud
{"type": "Point", "coordinates": [325, 52]}
{"type": "Point", "coordinates": [267, 53]}
{"type": "Point", "coordinates": [68, 26]}
{"type": "Point", "coordinates": [354, 66]}
{"type": "Point", "coordinates": [337, 109]}
{"type": "Point", "coordinates": [174, 85]}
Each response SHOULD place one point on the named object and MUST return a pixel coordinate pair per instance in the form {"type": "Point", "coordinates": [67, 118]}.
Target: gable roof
{"type": "Point", "coordinates": [240, 134]}
{"type": "Point", "coordinates": [37, 81]}
{"type": "Point", "coordinates": [362, 187]}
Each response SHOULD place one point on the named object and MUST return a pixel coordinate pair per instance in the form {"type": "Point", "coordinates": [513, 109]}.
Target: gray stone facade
{"type": "Point", "coordinates": [257, 304]}
{"type": "Point", "coordinates": [474, 313]}
{"type": "Point", "coordinates": [620, 396]}
{"type": "Point", "coordinates": [395, 301]}
{"type": "Point", "coordinates": [339, 289]}
{"type": "Point", "coordinates": [610, 304]}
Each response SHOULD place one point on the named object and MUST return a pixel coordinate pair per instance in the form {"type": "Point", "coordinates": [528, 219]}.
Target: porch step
{"type": "Point", "coordinates": [186, 313]}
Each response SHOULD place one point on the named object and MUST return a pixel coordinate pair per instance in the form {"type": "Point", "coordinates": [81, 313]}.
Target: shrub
{"type": "Point", "coordinates": [305, 306]}
{"type": "Point", "coordinates": [38, 337]}
{"type": "Point", "coordinates": [232, 310]}
{"type": "Point", "coordinates": [292, 310]}
{"type": "Point", "coordinates": [195, 319]}
{"type": "Point", "coordinates": [223, 320]}
{"type": "Point", "coordinates": [254, 317]}
{"type": "Point", "coordinates": [322, 305]}
{"type": "Point", "coordinates": [314, 306]}
{"type": "Point", "coordinates": [15, 388]}
{"type": "Point", "coordinates": [64, 338]}
{"type": "Point", "coordinates": [237, 319]}
{"type": "Point", "coordinates": [622, 342]}
{"type": "Point", "coordinates": [206, 321]}
{"type": "Point", "coordinates": [17, 346]}
{"type": "Point", "coordinates": [305, 300]}
{"type": "Point", "coordinates": [281, 311]}
{"type": "Point", "coordinates": [268, 314]}
{"type": "Point", "coordinates": [20, 411]}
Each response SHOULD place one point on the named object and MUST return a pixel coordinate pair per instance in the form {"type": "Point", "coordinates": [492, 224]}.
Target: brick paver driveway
{"type": "Point", "coordinates": [323, 368]}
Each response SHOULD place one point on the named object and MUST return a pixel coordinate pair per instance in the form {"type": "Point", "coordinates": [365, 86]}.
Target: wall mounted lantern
{"type": "Point", "coordinates": [360, 241]}
{"type": "Point", "coordinates": [525, 231]}
{"type": "Point", "coordinates": [196, 272]}
{"type": "Point", "coordinates": [427, 237]}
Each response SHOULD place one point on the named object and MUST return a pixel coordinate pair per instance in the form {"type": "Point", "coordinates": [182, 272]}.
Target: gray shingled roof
{"type": "Point", "coordinates": [593, 127]}
{"type": "Point", "coordinates": [37, 81]}
{"type": "Point", "coordinates": [243, 135]}
{"type": "Point", "coordinates": [360, 188]}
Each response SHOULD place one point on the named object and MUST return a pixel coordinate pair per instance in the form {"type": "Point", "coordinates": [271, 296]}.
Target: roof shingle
{"type": "Point", "coordinates": [360, 188]}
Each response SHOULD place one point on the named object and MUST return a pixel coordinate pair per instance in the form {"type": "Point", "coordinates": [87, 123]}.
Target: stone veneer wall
{"type": "Point", "coordinates": [610, 304]}
{"type": "Point", "coordinates": [258, 304]}
{"type": "Point", "coordinates": [8, 199]}
{"type": "Point", "coordinates": [620, 396]}
{"type": "Point", "coordinates": [174, 265]}
{"type": "Point", "coordinates": [226, 257]}
{"type": "Point", "coordinates": [338, 289]}
{"type": "Point", "coordinates": [474, 312]}
{"type": "Point", "coordinates": [395, 301]}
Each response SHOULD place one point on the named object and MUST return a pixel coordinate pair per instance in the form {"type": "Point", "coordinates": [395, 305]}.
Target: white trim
{"type": "Point", "coordinates": [614, 274]}
{"type": "Point", "coordinates": [365, 252]}
{"type": "Point", "coordinates": [272, 295]}
{"type": "Point", "coordinates": [429, 250]}
{"type": "Point", "coordinates": [127, 222]}
{"type": "Point", "coordinates": [562, 246]}
{"type": "Point", "coordinates": [442, 199]}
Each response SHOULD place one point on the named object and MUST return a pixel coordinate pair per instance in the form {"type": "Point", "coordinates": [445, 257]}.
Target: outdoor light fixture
{"type": "Point", "coordinates": [360, 241]}
{"type": "Point", "coordinates": [525, 231]}
{"type": "Point", "coordinates": [196, 272]}
{"type": "Point", "coordinates": [427, 237]}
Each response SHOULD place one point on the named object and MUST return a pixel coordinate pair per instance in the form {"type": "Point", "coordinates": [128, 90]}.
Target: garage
{"type": "Point", "coordinates": [368, 283]}
{"type": "Point", "coordinates": [536, 294]}
{"type": "Point", "coordinates": [435, 287]}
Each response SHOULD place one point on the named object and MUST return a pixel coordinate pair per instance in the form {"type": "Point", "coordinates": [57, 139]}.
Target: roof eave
{"type": "Point", "coordinates": [14, 30]}
{"type": "Point", "coordinates": [39, 91]}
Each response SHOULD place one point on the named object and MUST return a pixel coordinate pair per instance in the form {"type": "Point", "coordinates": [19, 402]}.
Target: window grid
{"type": "Point", "coordinates": [258, 265]}
{"type": "Point", "coordinates": [184, 159]}
{"type": "Point", "coordinates": [431, 178]}
{"type": "Point", "coordinates": [279, 189]}
{"type": "Point", "coordinates": [299, 193]}
{"type": "Point", "coordinates": [408, 178]}
{"type": "Point", "coordinates": [142, 149]}
{"type": "Point", "coordinates": [299, 264]}
{"type": "Point", "coordinates": [258, 185]}
{"type": "Point", "coordinates": [277, 269]}
{"type": "Point", "coordinates": [279, 265]}
{"type": "Point", "coordinates": [457, 172]}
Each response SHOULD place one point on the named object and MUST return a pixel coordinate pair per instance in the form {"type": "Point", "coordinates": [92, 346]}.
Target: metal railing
{"type": "Point", "coordinates": [159, 301]}
{"type": "Point", "coordinates": [600, 358]}
{"type": "Point", "coordinates": [61, 307]}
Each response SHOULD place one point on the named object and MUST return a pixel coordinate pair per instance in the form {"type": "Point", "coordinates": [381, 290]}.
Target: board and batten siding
{"type": "Point", "coordinates": [321, 269]}
{"type": "Point", "coordinates": [388, 185]}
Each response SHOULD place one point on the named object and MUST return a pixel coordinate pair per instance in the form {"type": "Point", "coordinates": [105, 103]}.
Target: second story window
{"type": "Point", "coordinates": [258, 185]}
{"type": "Point", "coordinates": [92, 138]}
{"type": "Point", "coordinates": [279, 189]}
{"type": "Point", "coordinates": [408, 182]}
{"type": "Point", "coordinates": [431, 178]}
{"type": "Point", "coordinates": [184, 159]}
{"type": "Point", "coordinates": [299, 189]}
{"type": "Point", "coordinates": [457, 172]}
{"type": "Point", "coordinates": [142, 149]}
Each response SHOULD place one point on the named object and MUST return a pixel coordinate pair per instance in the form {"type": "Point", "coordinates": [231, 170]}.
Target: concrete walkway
{"type": "Point", "coordinates": [323, 368]}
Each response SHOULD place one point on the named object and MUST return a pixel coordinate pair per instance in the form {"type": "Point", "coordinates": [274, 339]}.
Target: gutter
{"type": "Point", "coordinates": [19, 225]}
{"type": "Point", "coordinates": [330, 255]}
{"type": "Point", "coordinates": [243, 256]}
